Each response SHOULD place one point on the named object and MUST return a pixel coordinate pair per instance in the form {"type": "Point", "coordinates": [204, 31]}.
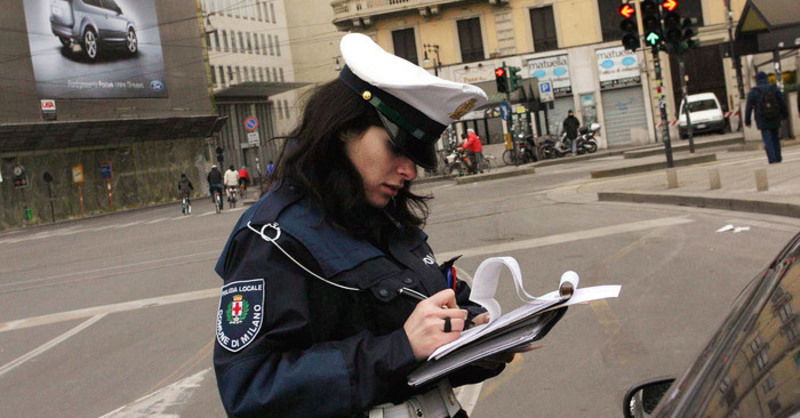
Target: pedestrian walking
{"type": "Point", "coordinates": [767, 103]}
{"type": "Point", "coordinates": [311, 320]}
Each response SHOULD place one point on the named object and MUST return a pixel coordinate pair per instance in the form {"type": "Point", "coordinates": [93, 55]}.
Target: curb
{"type": "Point", "coordinates": [652, 166]}
{"type": "Point", "coordinates": [685, 147]}
{"type": "Point", "coordinates": [496, 175]}
{"type": "Point", "coordinates": [739, 205]}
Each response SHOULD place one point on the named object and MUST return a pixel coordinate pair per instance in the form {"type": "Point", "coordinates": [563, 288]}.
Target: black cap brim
{"type": "Point", "coordinates": [421, 152]}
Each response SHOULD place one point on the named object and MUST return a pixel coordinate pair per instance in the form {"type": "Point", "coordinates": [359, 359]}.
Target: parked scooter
{"type": "Point", "coordinates": [586, 142]}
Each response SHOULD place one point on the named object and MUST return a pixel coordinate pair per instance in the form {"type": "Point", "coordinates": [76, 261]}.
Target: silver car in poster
{"type": "Point", "coordinates": [93, 24]}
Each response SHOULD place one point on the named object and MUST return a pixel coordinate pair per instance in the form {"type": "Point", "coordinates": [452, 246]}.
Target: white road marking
{"type": "Point", "coordinates": [159, 402]}
{"type": "Point", "coordinates": [155, 221]}
{"type": "Point", "coordinates": [105, 269]}
{"type": "Point", "coordinates": [128, 224]}
{"type": "Point", "coordinates": [208, 213]}
{"type": "Point", "coordinates": [50, 344]}
{"type": "Point", "coordinates": [107, 309]}
{"type": "Point", "coordinates": [566, 237]}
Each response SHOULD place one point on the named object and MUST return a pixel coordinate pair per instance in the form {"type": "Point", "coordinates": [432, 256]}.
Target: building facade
{"type": "Point", "coordinates": [575, 44]}
{"type": "Point", "coordinates": [252, 76]}
{"type": "Point", "coordinates": [100, 116]}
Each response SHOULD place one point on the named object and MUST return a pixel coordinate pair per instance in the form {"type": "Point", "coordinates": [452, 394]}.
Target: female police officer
{"type": "Point", "coordinates": [314, 318]}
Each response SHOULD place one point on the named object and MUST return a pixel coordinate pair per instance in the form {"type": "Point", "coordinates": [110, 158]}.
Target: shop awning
{"type": "Point", "coordinates": [768, 25]}
{"type": "Point", "coordinates": [255, 90]}
{"type": "Point", "coordinates": [16, 137]}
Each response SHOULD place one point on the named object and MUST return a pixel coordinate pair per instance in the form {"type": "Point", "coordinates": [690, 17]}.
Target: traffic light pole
{"type": "Point", "coordinates": [508, 136]}
{"type": "Point", "coordinates": [685, 93]}
{"type": "Point", "coordinates": [662, 105]}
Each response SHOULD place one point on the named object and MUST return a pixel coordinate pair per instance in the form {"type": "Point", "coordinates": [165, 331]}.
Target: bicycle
{"type": "Point", "coordinates": [232, 196]}
{"type": "Point", "coordinates": [186, 205]}
{"type": "Point", "coordinates": [217, 201]}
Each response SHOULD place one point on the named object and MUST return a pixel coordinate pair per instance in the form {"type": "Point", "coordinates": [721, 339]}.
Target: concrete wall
{"type": "Point", "coordinates": [143, 173]}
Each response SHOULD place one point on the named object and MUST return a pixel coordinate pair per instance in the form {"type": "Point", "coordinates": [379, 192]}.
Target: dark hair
{"type": "Point", "coordinates": [315, 159]}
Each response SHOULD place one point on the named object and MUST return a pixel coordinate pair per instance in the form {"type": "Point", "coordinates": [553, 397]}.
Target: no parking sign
{"type": "Point", "coordinates": [250, 123]}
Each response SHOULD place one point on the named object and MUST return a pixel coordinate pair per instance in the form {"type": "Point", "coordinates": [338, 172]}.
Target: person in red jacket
{"type": "Point", "coordinates": [244, 180]}
{"type": "Point", "coordinates": [474, 149]}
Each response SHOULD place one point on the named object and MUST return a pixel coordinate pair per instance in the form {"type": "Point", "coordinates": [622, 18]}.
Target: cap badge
{"type": "Point", "coordinates": [462, 109]}
{"type": "Point", "coordinates": [366, 95]}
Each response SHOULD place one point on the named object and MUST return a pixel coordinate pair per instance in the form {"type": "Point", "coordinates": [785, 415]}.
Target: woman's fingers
{"type": "Point", "coordinates": [443, 299]}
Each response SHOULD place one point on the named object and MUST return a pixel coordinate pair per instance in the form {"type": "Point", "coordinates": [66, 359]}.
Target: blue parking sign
{"type": "Point", "coordinates": [105, 170]}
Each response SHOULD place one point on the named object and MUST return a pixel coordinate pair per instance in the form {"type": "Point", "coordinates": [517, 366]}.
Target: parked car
{"type": "Point", "coordinates": [94, 24]}
{"type": "Point", "coordinates": [751, 366]}
{"type": "Point", "coordinates": [705, 113]}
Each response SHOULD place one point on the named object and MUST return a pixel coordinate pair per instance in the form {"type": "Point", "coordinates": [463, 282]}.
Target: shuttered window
{"type": "Point", "coordinates": [405, 45]}
{"type": "Point", "coordinates": [469, 36]}
{"type": "Point", "coordinates": [544, 29]}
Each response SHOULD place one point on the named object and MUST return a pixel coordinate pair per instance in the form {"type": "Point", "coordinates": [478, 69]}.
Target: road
{"type": "Point", "coordinates": [114, 316]}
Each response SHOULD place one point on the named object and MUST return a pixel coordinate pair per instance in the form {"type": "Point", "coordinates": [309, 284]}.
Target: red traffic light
{"type": "Point", "coordinates": [669, 5]}
{"type": "Point", "coordinates": [500, 72]}
{"type": "Point", "coordinates": [626, 10]}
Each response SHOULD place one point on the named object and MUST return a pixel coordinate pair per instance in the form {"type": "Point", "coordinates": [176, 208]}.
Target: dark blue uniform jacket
{"type": "Point", "coordinates": [291, 345]}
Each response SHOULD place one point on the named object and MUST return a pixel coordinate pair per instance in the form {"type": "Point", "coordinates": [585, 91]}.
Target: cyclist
{"type": "Point", "coordinates": [231, 182]}
{"type": "Point", "coordinates": [214, 182]}
{"type": "Point", "coordinates": [474, 149]}
{"type": "Point", "coordinates": [185, 187]}
{"type": "Point", "coordinates": [244, 180]}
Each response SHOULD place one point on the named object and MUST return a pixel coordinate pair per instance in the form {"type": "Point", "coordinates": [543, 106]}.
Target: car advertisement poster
{"type": "Point", "coordinates": [95, 49]}
{"type": "Point", "coordinates": [617, 67]}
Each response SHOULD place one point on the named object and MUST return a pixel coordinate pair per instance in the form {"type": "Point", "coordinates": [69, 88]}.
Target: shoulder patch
{"type": "Point", "coordinates": [240, 313]}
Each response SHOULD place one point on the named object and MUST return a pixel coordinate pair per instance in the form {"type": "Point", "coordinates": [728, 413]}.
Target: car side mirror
{"type": "Point", "coordinates": [641, 400]}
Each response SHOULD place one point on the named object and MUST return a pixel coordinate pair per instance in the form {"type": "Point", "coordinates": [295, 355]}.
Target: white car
{"type": "Point", "coordinates": [705, 113]}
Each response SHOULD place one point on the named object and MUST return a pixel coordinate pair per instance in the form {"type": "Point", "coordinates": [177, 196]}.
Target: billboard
{"type": "Point", "coordinates": [554, 69]}
{"type": "Point", "coordinates": [617, 67]}
{"type": "Point", "coordinates": [95, 49]}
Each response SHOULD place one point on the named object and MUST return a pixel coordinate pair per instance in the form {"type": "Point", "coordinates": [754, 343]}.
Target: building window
{"type": "Point", "coordinates": [230, 75]}
{"type": "Point", "coordinates": [286, 109]}
{"type": "Point", "coordinates": [271, 46]}
{"type": "Point", "coordinates": [246, 73]}
{"type": "Point", "coordinates": [280, 109]}
{"type": "Point", "coordinates": [234, 45]}
{"type": "Point", "coordinates": [222, 79]}
{"type": "Point", "coordinates": [242, 44]}
{"type": "Point", "coordinates": [249, 43]}
{"type": "Point", "coordinates": [266, 12]}
{"type": "Point", "coordinates": [258, 46]}
{"type": "Point", "coordinates": [238, 74]}
{"type": "Point", "coordinates": [272, 12]}
{"type": "Point", "coordinates": [275, 74]}
{"type": "Point", "coordinates": [213, 76]}
{"type": "Point", "coordinates": [260, 14]}
{"type": "Point", "coordinates": [281, 72]}
{"type": "Point", "coordinates": [405, 46]}
{"type": "Point", "coordinates": [269, 77]}
{"type": "Point", "coordinates": [544, 29]}
{"type": "Point", "coordinates": [261, 73]}
{"type": "Point", "coordinates": [610, 20]}
{"type": "Point", "coordinates": [469, 36]}
{"type": "Point", "coordinates": [216, 41]}
{"type": "Point", "coordinates": [225, 41]}
{"type": "Point", "coordinates": [277, 46]}
{"type": "Point", "coordinates": [768, 384]}
{"type": "Point", "coordinates": [263, 45]}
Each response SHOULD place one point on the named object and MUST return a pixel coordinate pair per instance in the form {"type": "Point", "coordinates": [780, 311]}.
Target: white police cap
{"type": "Point", "coordinates": [414, 105]}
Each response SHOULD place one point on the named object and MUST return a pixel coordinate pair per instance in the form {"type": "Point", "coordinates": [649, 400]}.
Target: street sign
{"type": "Point", "coordinates": [105, 170]}
{"type": "Point", "coordinates": [546, 91]}
{"type": "Point", "coordinates": [253, 138]}
{"type": "Point", "coordinates": [77, 173]}
{"type": "Point", "coordinates": [505, 111]}
{"type": "Point", "coordinates": [250, 123]}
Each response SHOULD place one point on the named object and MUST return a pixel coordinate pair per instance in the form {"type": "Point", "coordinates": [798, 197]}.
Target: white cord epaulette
{"type": "Point", "coordinates": [273, 240]}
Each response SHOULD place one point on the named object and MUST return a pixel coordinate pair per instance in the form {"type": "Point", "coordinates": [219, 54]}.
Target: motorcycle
{"type": "Point", "coordinates": [550, 148]}
{"type": "Point", "coordinates": [586, 142]}
{"type": "Point", "coordinates": [527, 151]}
{"type": "Point", "coordinates": [457, 163]}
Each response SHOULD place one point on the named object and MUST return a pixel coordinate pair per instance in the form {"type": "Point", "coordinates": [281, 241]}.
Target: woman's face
{"type": "Point", "coordinates": [383, 170]}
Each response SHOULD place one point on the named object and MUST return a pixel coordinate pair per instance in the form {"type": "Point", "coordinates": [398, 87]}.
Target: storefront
{"type": "Point", "coordinates": [624, 109]}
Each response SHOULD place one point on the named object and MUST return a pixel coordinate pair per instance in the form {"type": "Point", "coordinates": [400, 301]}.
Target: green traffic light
{"type": "Point", "coordinates": [652, 38]}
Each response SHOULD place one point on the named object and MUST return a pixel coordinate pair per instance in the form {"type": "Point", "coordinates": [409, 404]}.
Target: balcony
{"type": "Point", "coordinates": [358, 14]}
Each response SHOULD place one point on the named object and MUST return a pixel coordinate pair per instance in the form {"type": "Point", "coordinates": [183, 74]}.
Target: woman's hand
{"type": "Point", "coordinates": [425, 327]}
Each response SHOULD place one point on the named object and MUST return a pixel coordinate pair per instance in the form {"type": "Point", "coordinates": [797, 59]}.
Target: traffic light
{"type": "Point", "coordinates": [673, 33]}
{"type": "Point", "coordinates": [630, 37]}
{"type": "Point", "coordinates": [651, 20]}
{"type": "Point", "coordinates": [220, 157]}
{"type": "Point", "coordinates": [515, 80]}
{"type": "Point", "coordinates": [689, 28]}
{"type": "Point", "coordinates": [501, 78]}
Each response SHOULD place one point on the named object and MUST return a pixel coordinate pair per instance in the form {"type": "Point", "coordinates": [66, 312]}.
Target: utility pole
{"type": "Point", "coordinates": [737, 64]}
{"type": "Point", "coordinates": [662, 106]}
{"type": "Point", "coordinates": [685, 93]}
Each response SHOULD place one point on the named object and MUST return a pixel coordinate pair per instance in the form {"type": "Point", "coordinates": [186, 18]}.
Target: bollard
{"type": "Point", "coordinates": [762, 185]}
{"type": "Point", "coordinates": [713, 179]}
{"type": "Point", "coordinates": [672, 178]}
